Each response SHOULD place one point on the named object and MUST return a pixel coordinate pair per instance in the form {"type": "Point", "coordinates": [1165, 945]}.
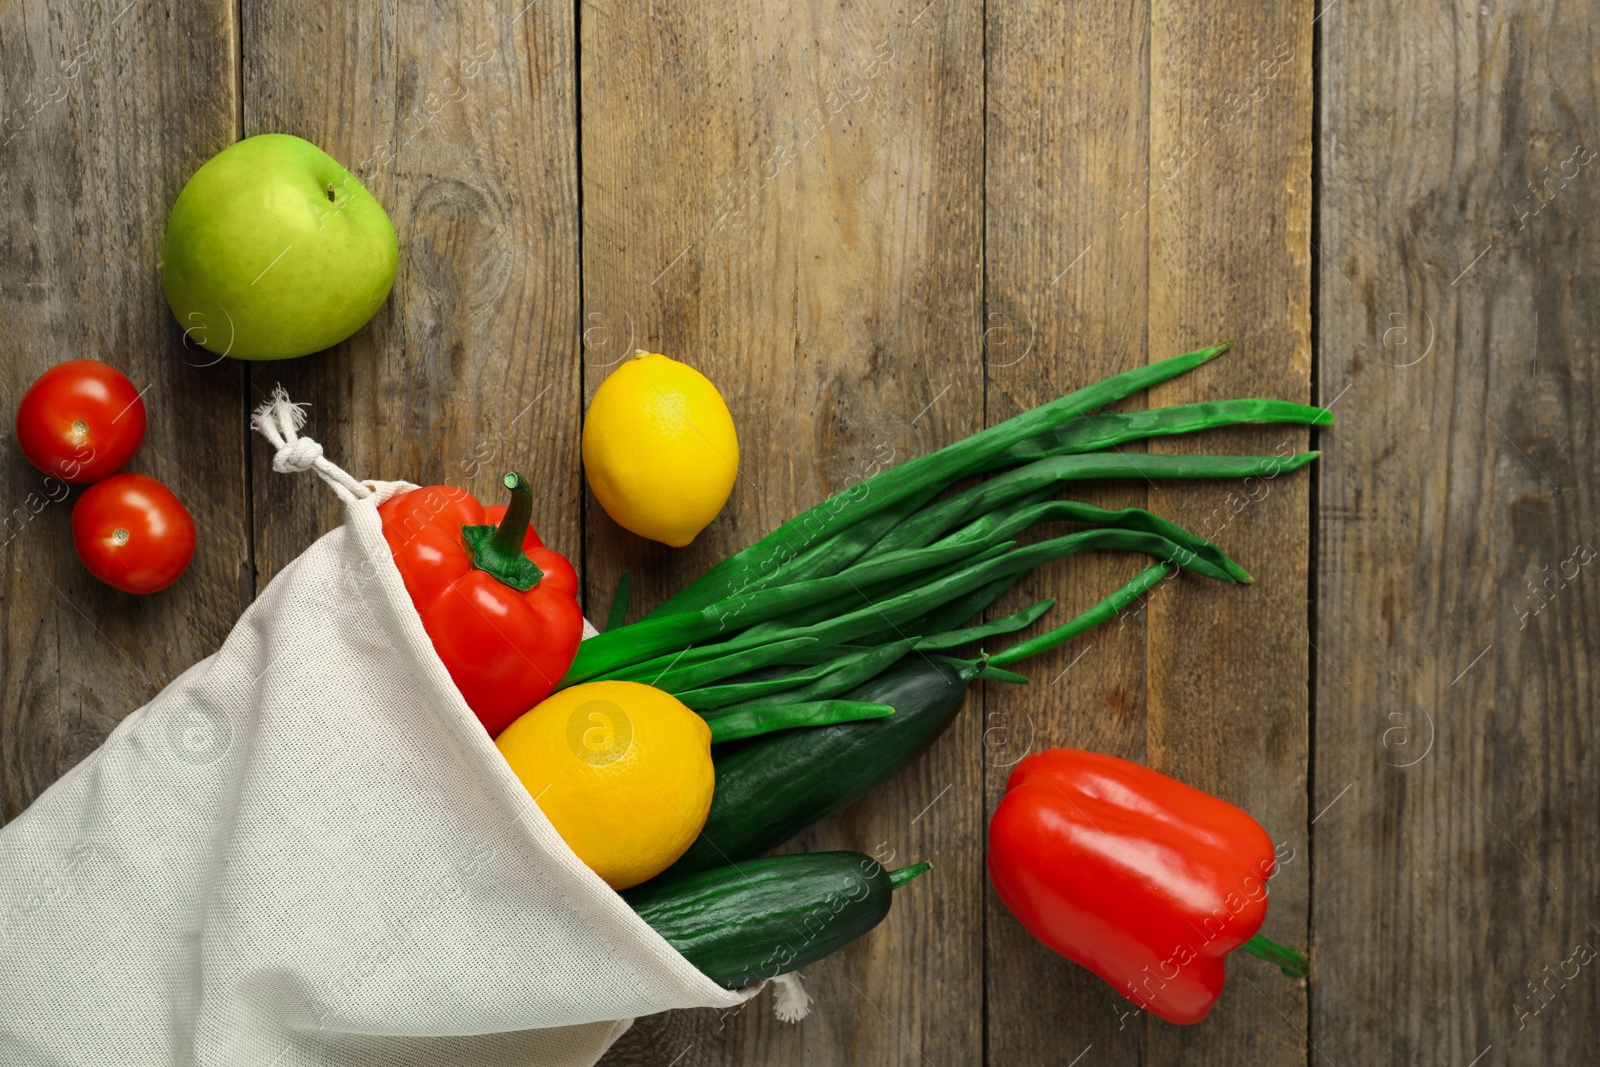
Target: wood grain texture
{"type": "Point", "coordinates": [879, 228]}
{"type": "Point", "coordinates": [462, 121]}
{"type": "Point", "coordinates": [789, 199]}
{"type": "Point", "coordinates": [106, 111]}
{"type": "Point", "coordinates": [1134, 157]}
{"type": "Point", "coordinates": [1066, 268]}
{"type": "Point", "coordinates": [1230, 203]}
{"type": "Point", "coordinates": [1456, 902]}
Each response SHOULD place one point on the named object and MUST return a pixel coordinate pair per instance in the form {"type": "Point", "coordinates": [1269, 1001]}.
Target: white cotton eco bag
{"type": "Point", "coordinates": [306, 852]}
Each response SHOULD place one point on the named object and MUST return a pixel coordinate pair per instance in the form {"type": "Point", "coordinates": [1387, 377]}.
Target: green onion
{"type": "Point", "coordinates": [633, 645]}
{"type": "Point", "coordinates": [653, 637]}
{"type": "Point", "coordinates": [984, 670]}
{"type": "Point", "coordinates": [1087, 433]}
{"type": "Point", "coordinates": [1092, 433]}
{"type": "Point", "coordinates": [733, 724]}
{"type": "Point", "coordinates": [840, 652]}
{"type": "Point", "coordinates": [736, 692]}
{"type": "Point", "coordinates": [1009, 624]}
{"type": "Point", "coordinates": [1133, 590]}
{"type": "Point", "coordinates": [837, 552]}
{"type": "Point", "coordinates": [962, 609]}
{"type": "Point", "coordinates": [619, 604]}
{"type": "Point", "coordinates": [753, 567]}
{"type": "Point", "coordinates": [843, 676]}
{"type": "Point", "coordinates": [1209, 560]}
{"type": "Point", "coordinates": [703, 673]}
{"type": "Point", "coordinates": [892, 611]}
{"type": "Point", "coordinates": [985, 496]}
{"type": "Point", "coordinates": [854, 595]}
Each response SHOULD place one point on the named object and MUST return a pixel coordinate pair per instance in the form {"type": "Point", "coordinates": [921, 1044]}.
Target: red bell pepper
{"type": "Point", "coordinates": [1144, 880]}
{"type": "Point", "coordinates": [500, 608]}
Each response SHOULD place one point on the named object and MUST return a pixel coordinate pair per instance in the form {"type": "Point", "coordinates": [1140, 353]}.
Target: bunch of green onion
{"type": "Point", "coordinates": [895, 564]}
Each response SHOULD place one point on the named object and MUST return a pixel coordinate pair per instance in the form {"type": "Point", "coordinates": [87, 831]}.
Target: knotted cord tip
{"type": "Point", "coordinates": [791, 1002]}
{"type": "Point", "coordinates": [301, 454]}
{"type": "Point", "coordinates": [279, 420]}
{"type": "Point", "coordinates": [279, 414]}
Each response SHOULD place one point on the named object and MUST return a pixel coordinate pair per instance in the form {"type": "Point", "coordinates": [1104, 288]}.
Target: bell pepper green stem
{"type": "Point", "coordinates": [1289, 961]}
{"type": "Point", "coordinates": [513, 528]}
{"type": "Point", "coordinates": [905, 874]}
{"type": "Point", "coordinates": [498, 550]}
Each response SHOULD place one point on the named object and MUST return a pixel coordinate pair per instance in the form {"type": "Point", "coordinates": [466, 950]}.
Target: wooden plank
{"type": "Point", "coordinates": [1456, 741]}
{"type": "Point", "coordinates": [1230, 201]}
{"type": "Point", "coordinates": [461, 120]}
{"type": "Point", "coordinates": [105, 111]}
{"type": "Point", "coordinates": [787, 198]}
{"type": "Point", "coordinates": [1080, 141]}
{"type": "Point", "coordinates": [1066, 265]}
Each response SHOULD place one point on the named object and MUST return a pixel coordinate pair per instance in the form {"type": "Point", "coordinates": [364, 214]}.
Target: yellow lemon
{"type": "Point", "coordinates": [660, 449]}
{"type": "Point", "coordinates": [622, 770]}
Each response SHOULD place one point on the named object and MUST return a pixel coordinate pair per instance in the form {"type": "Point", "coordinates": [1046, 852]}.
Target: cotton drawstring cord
{"type": "Point", "coordinates": [791, 1002]}
{"type": "Point", "coordinates": [279, 421]}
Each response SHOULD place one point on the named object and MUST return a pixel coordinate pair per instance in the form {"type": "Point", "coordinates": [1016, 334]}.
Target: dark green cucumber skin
{"type": "Point", "coordinates": [764, 918]}
{"type": "Point", "coordinates": [778, 784]}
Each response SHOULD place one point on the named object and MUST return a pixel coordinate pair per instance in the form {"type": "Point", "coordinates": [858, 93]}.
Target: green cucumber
{"type": "Point", "coordinates": [776, 785]}
{"type": "Point", "coordinates": [740, 925]}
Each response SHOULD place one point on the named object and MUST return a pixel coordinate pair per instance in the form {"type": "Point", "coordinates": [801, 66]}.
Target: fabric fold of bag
{"type": "Point", "coordinates": [306, 852]}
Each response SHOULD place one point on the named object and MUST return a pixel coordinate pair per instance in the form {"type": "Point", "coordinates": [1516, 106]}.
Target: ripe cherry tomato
{"type": "Point", "coordinates": [131, 532]}
{"type": "Point", "coordinates": [80, 421]}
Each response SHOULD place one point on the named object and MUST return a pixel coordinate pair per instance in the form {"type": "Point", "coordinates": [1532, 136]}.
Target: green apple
{"type": "Point", "coordinates": [274, 250]}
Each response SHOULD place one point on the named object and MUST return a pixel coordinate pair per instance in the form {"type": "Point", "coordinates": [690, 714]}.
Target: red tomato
{"type": "Point", "coordinates": [131, 532]}
{"type": "Point", "coordinates": [80, 421]}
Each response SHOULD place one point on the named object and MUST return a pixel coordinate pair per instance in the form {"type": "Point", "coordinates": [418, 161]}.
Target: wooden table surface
{"type": "Point", "coordinates": [879, 228]}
